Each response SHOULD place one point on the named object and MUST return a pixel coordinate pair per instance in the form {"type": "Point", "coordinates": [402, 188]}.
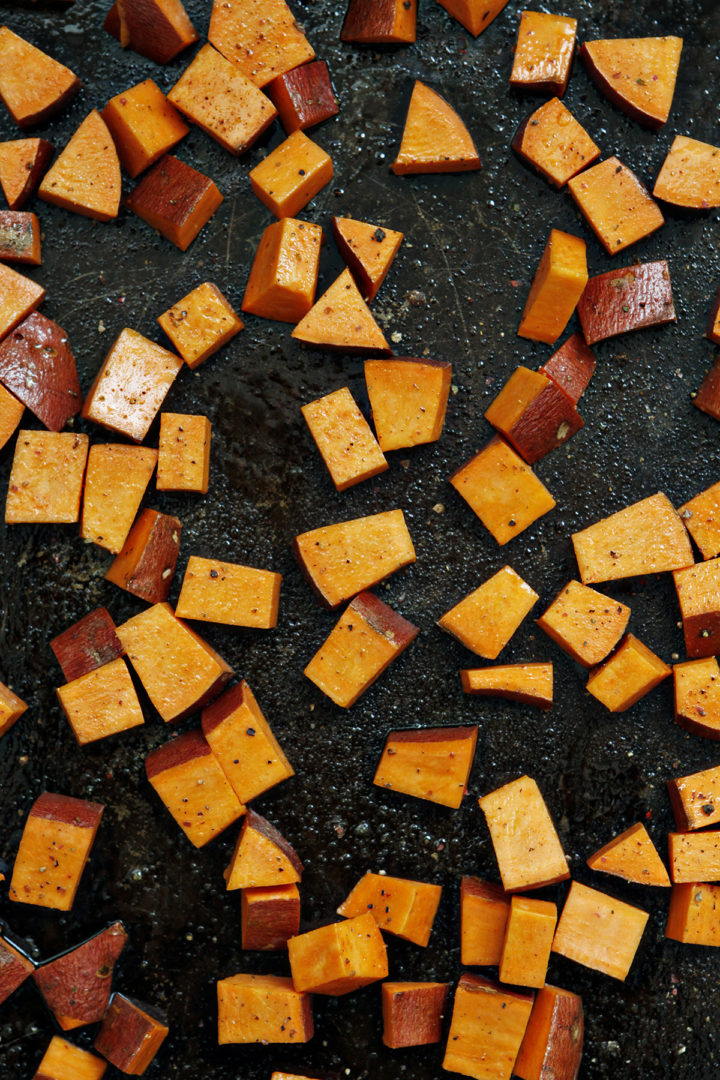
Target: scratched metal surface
{"type": "Point", "coordinates": [456, 292]}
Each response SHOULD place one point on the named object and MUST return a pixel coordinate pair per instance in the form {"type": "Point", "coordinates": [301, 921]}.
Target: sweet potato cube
{"type": "Point", "coordinates": [262, 1009]}
{"type": "Point", "coordinates": [131, 1033]}
{"type": "Point", "coordinates": [698, 590]}
{"type": "Point", "coordinates": [413, 1013]}
{"type": "Point", "coordinates": [341, 320]}
{"type": "Point", "coordinates": [690, 175]}
{"type": "Point", "coordinates": [115, 482]}
{"type": "Point", "coordinates": [629, 674]}
{"type": "Point", "coordinates": [85, 178]}
{"type": "Point", "coordinates": [529, 933]}
{"type": "Point", "coordinates": [487, 1028]}
{"type": "Point", "coordinates": [22, 164]}
{"type": "Point", "coordinates": [365, 641]}
{"type": "Point", "coordinates": [146, 564]}
{"type": "Point", "coordinates": [19, 296]}
{"type": "Point", "coordinates": [20, 237]}
{"type": "Point", "coordinates": [338, 958]}
{"type": "Point", "coordinates": [625, 300]}
{"type": "Point", "coordinates": [502, 490]}
{"type": "Point", "coordinates": [534, 414]}
{"type": "Point", "coordinates": [586, 624]}
{"type": "Point", "coordinates": [484, 909]}
{"type": "Point", "coordinates": [214, 94]}
{"type": "Point", "coordinates": [38, 367]}
{"type": "Point", "coordinates": [223, 592]}
{"type": "Point", "coordinates": [131, 385]}
{"type": "Point", "coordinates": [636, 74]}
{"type": "Point", "coordinates": [11, 708]}
{"type": "Point", "coordinates": [144, 126]}
{"type": "Point", "coordinates": [707, 398]}
{"type": "Point", "coordinates": [695, 799]}
{"type": "Point", "coordinates": [15, 968]}
{"type": "Point", "coordinates": [260, 36]}
{"type": "Point", "coordinates": [87, 644]}
{"type": "Point", "coordinates": [183, 453]}
{"type": "Point", "coordinates": [712, 330]}
{"type": "Point", "coordinates": [269, 916]}
{"type": "Point", "coordinates": [697, 697]}
{"type": "Point", "coordinates": [262, 857]}
{"type": "Point", "coordinates": [554, 142]}
{"type": "Point", "coordinates": [291, 175]}
{"type": "Point", "coordinates": [526, 844]}
{"type": "Point", "coordinates": [33, 86]}
{"type": "Point", "coordinates": [434, 139]}
{"type": "Point", "coordinates": [180, 672]}
{"type": "Point", "coordinates": [428, 763]}
{"type": "Point", "coordinates": [572, 366]}
{"type": "Point", "coordinates": [475, 15]}
{"type": "Point", "coordinates": [343, 437]}
{"type": "Point", "coordinates": [399, 906]}
{"type": "Point", "coordinates": [544, 53]}
{"type": "Point", "coordinates": [63, 1061]}
{"type": "Point", "coordinates": [559, 282]}
{"type": "Point", "coordinates": [284, 273]}
{"type": "Point", "coordinates": [553, 1041]}
{"type": "Point", "coordinates": [646, 537]}
{"type": "Point", "coordinates": [200, 324]}
{"type": "Point", "coordinates": [380, 22]}
{"type": "Point", "coordinates": [694, 916]}
{"type": "Point", "coordinates": [157, 29]}
{"type": "Point", "coordinates": [486, 619]}
{"type": "Point", "coordinates": [616, 205]}
{"type": "Point", "coordinates": [599, 931]}
{"type": "Point", "coordinates": [367, 250]}
{"type": "Point", "coordinates": [243, 742]}
{"type": "Point", "coordinates": [11, 413]}
{"type": "Point", "coordinates": [175, 199]}
{"type": "Point", "coordinates": [101, 702]}
{"type": "Point", "coordinates": [187, 776]}
{"type": "Point", "coordinates": [46, 477]}
{"type": "Point", "coordinates": [694, 856]}
{"type": "Point", "coordinates": [54, 848]}
{"type": "Point", "coordinates": [408, 397]}
{"type": "Point", "coordinates": [531, 684]}
{"type": "Point", "coordinates": [632, 856]}
{"type": "Point", "coordinates": [76, 985]}
{"type": "Point", "coordinates": [303, 97]}
{"type": "Point", "coordinates": [701, 517]}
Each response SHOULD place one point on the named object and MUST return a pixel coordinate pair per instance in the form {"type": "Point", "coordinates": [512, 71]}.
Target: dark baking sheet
{"type": "Point", "coordinates": [456, 292]}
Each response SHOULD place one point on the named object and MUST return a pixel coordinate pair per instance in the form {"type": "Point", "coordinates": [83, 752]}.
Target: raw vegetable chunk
{"type": "Point", "coordinates": [46, 478]}
{"type": "Point", "coordinates": [616, 205]}
{"type": "Point", "coordinates": [434, 139]}
{"type": "Point", "coordinates": [712, 331]}
{"type": "Point", "coordinates": [487, 1028]}
{"type": "Point", "coordinates": [586, 624]}
{"type": "Point", "coordinates": [11, 413]}
{"type": "Point", "coordinates": [87, 644]}
{"type": "Point", "coordinates": [632, 856]}
{"type": "Point", "coordinates": [102, 702]}
{"type": "Point", "coordinates": [632, 671]}
{"type": "Point", "coordinates": [553, 1041]}
{"type": "Point", "coordinates": [428, 763]}
{"type": "Point", "coordinates": [341, 320]}
{"type": "Point", "coordinates": [116, 479]}
{"type": "Point", "coordinates": [20, 237]}
{"type": "Point", "coordinates": [399, 906]}
{"type": "Point", "coordinates": [144, 126]}
{"type": "Point", "coordinates": [260, 36]}
{"type": "Point", "coordinates": [19, 296]}
{"type": "Point", "coordinates": [131, 1033]}
{"type": "Point", "coordinates": [76, 985]}
{"type": "Point", "coordinates": [368, 250]}
{"type": "Point", "coordinates": [544, 53]}
{"type": "Point", "coordinates": [183, 453]}
{"type": "Point", "coordinates": [343, 437]}
{"type": "Point", "coordinates": [380, 22]}
{"type": "Point", "coordinates": [694, 856]}
{"type": "Point", "coordinates": [303, 97]}
{"type": "Point", "coordinates": [157, 29]}
{"type": "Point", "coordinates": [690, 175]}
{"type": "Point", "coordinates": [63, 1061]}
{"type": "Point", "coordinates": [694, 916]}
{"type": "Point", "coordinates": [22, 164]}
{"type": "Point", "coordinates": [284, 273]}
{"type": "Point", "coordinates": [223, 592]}
{"type": "Point", "coordinates": [200, 324]}
{"type": "Point", "coordinates": [636, 74]}
{"type": "Point", "coordinates": [526, 844]}
{"type": "Point", "coordinates": [38, 367]}
{"type": "Point", "coordinates": [338, 958]}
{"type": "Point", "coordinates": [262, 1009]}
{"type": "Point", "coordinates": [554, 143]}
{"type": "Point", "coordinates": [698, 590]}
{"type": "Point", "coordinates": [85, 178]}
{"type": "Point", "coordinates": [413, 1013]}
{"type": "Point", "coordinates": [475, 15]}
{"type": "Point", "coordinates": [599, 931]}
{"type": "Point", "coordinates": [408, 397]}
{"type": "Point", "coordinates": [531, 684]}
{"type": "Point", "coordinates": [624, 300]}
{"type": "Point", "coordinates": [701, 516]}
{"type": "Point", "coordinates": [262, 857]}
{"type": "Point", "coordinates": [175, 199]}
{"type": "Point", "coordinates": [291, 175]}
{"type": "Point", "coordinates": [571, 367]}
{"type": "Point", "coordinates": [484, 909]}
{"type": "Point", "coordinates": [528, 940]}
{"type": "Point", "coordinates": [557, 286]}
{"type": "Point", "coordinates": [270, 916]}
{"type": "Point", "coordinates": [11, 708]}
{"type": "Point", "coordinates": [33, 86]}
{"type": "Point", "coordinates": [15, 968]}
{"type": "Point", "coordinates": [146, 564]}
{"type": "Point", "coordinates": [486, 619]}
{"type": "Point", "coordinates": [707, 399]}
{"type": "Point", "coordinates": [696, 799]}
{"type": "Point", "coordinates": [534, 414]}
{"type": "Point", "coordinates": [697, 697]}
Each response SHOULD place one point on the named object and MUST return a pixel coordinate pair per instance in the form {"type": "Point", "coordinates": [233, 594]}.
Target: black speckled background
{"type": "Point", "coordinates": [472, 243]}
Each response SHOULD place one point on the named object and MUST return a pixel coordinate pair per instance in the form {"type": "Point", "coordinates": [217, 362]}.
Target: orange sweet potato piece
{"type": "Point", "coordinates": [115, 482]}
{"type": "Point", "coordinates": [637, 74]}
{"type": "Point", "coordinates": [11, 708]}
{"type": "Point", "coordinates": [488, 617]}
{"type": "Point", "coordinates": [19, 297]}
{"type": "Point", "coordinates": [146, 564]}
{"type": "Point", "coordinates": [428, 763]}
{"type": "Point", "coordinates": [528, 940]}
{"type": "Point", "coordinates": [434, 139]}
{"type": "Point", "coordinates": [599, 931]}
{"type": "Point", "coordinates": [262, 1009]}
{"type": "Point", "coordinates": [46, 478]}
{"type": "Point", "coordinates": [260, 36]}
{"type": "Point", "coordinates": [368, 251]}
{"type": "Point", "coordinates": [694, 916]}
{"type": "Point", "coordinates": [695, 799]}
{"type": "Point", "coordinates": [690, 175]}
{"type": "Point", "coordinates": [553, 1042]}
{"type": "Point", "coordinates": [130, 1035]}
{"type": "Point", "coordinates": [284, 273]}
{"type": "Point", "coordinates": [22, 164]}
{"type": "Point", "coordinates": [262, 857]}
{"type": "Point", "coordinates": [632, 856]}
{"type": "Point", "coordinates": [531, 684]}
{"type": "Point", "coordinates": [101, 702]}
{"type": "Point", "coordinates": [343, 437]}
{"type": "Point", "coordinates": [303, 97]}
{"type": "Point", "coordinates": [291, 175]}
{"type": "Point", "coordinates": [554, 143]}
{"type": "Point", "coordinates": [629, 674]}
{"type": "Point", "coordinates": [20, 237]}
{"type": "Point", "coordinates": [698, 590]}
{"type": "Point", "coordinates": [616, 205]}
{"type": "Point", "coordinates": [399, 906]}
{"type": "Point", "coordinates": [11, 412]}
{"type": "Point", "coordinates": [37, 365]}
{"type": "Point", "coordinates": [586, 624]}
{"type": "Point", "coordinates": [144, 126]}
{"type": "Point", "coordinates": [338, 958]}
{"type": "Point", "coordinates": [224, 592]}
{"type": "Point", "coordinates": [341, 320]}
{"type": "Point", "coordinates": [54, 848]}
{"type": "Point", "coordinates": [487, 1028]}
{"type": "Point", "coordinates": [701, 517]}
{"type": "Point", "coordinates": [558, 284]}
{"type": "Point", "coordinates": [183, 453]}
{"type": "Point", "coordinates": [380, 22]}
{"type": "Point", "coordinates": [712, 331]}
{"type": "Point", "coordinates": [534, 414]}
{"type": "Point", "coordinates": [697, 696]}
{"type": "Point", "coordinates": [707, 398]}
{"type": "Point", "coordinates": [15, 968]}
{"type": "Point", "coordinates": [175, 199]}
{"type": "Point", "coordinates": [85, 178]}
{"type": "Point", "coordinates": [572, 366]}
{"type": "Point", "coordinates": [544, 53]}
{"type": "Point", "coordinates": [157, 29]}
{"type": "Point", "coordinates": [408, 397]}
{"type": "Point", "coordinates": [484, 910]}
{"type": "Point", "coordinates": [200, 324]}
{"type": "Point", "coordinates": [526, 844]}
{"type": "Point", "coordinates": [269, 916]}
{"type": "Point", "coordinates": [694, 856]}
{"type": "Point", "coordinates": [33, 86]}
{"type": "Point", "coordinates": [63, 1061]}
{"type": "Point", "coordinates": [413, 1013]}
{"type": "Point", "coordinates": [76, 984]}
{"type": "Point", "coordinates": [475, 15]}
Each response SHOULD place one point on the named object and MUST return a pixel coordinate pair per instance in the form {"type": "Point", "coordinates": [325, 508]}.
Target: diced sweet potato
{"type": "Point", "coordinates": [502, 490]}
{"type": "Point", "coordinates": [413, 1013]}
{"type": "Point", "coordinates": [408, 397]}
{"type": "Point", "coordinates": [157, 29]}
{"type": "Point", "coordinates": [303, 97]}
{"type": "Point", "coordinates": [131, 1033]}
{"type": "Point", "coordinates": [260, 36]}
{"type": "Point", "coordinates": [33, 86]}
{"type": "Point", "coordinates": [571, 367]}
{"type": "Point", "coordinates": [131, 385]}
{"type": "Point", "coordinates": [690, 175]}
{"type": "Point", "coordinates": [624, 300]}
{"type": "Point", "coordinates": [487, 1028]}
{"type": "Point", "coordinates": [553, 142]}
{"type": "Point", "coordinates": [262, 1009]}
{"type": "Point", "coordinates": [38, 367]}
{"type": "Point", "coordinates": [553, 1042]}
{"type": "Point", "coordinates": [22, 165]}
{"type": "Point", "coordinates": [428, 763]}
{"type": "Point", "coordinates": [102, 702]}
{"type": "Point", "coordinates": [338, 958]}
{"type": "Point", "coordinates": [599, 931]}
{"type": "Point", "coordinates": [628, 675]}
{"type": "Point", "coordinates": [696, 799]}
{"type": "Point", "coordinates": [558, 284]}
{"type": "Point", "coordinates": [368, 251]}
{"type": "Point", "coordinates": [616, 205]}
{"type": "Point", "coordinates": [20, 237]}
{"type": "Point", "coordinates": [343, 437]}
{"type": "Point", "coordinates": [528, 939]}
{"type": "Point", "coordinates": [87, 644]}
{"type": "Point", "coordinates": [85, 178]}
{"type": "Point", "coordinates": [475, 15]}
{"type": "Point", "coordinates": [694, 916]}
{"type": "Point", "coordinates": [243, 742]}
{"type": "Point", "coordinates": [380, 22]}
{"type": "Point", "coordinates": [11, 413]}
{"type": "Point", "coordinates": [200, 324]}
{"type": "Point", "coordinates": [214, 94]}
{"type": "Point", "coordinates": [526, 844]}
{"type": "Point", "coordinates": [632, 856]}
{"type": "Point", "coordinates": [697, 696]}
{"type": "Point", "coordinates": [146, 564]}
{"type": "Point", "coordinates": [175, 199]}
{"type": "Point", "coordinates": [531, 684]}
{"type": "Point", "coordinates": [54, 848]}
{"type": "Point", "coordinates": [291, 175]}
{"type": "Point", "coordinates": [183, 453]}
{"type": "Point", "coordinates": [11, 708]}
{"type": "Point", "coordinates": [46, 477]}
{"type": "Point", "coordinates": [187, 776]}
{"type": "Point", "coordinates": [647, 537]}
{"type": "Point", "coordinates": [586, 624]}
{"type": "Point", "coordinates": [636, 74]}
{"type": "Point", "coordinates": [707, 398]}
{"type": "Point", "coordinates": [701, 516]}
{"type": "Point", "coordinates": [484, 910]}
{"type": "Point", "coordinates": [15, 968]}
{"type": "Point", "coordinates": [115, 482]}
{"type": "Point", "coordinates": [223, 592]}
{"type": "Point", "coordinates": [341, 320]}
{"type": "Point", "coordinates": [262, 857]}
{"type": "Point", "coordinates": [486, 619]}
{"type": "Point", "coordinates": [544, 53]}
{"type": "Point", "coordinates": [694, 856]}
{"type": "Point", "coordinates": [19, 296]}
{"type": "Point", "coordinates": [534, 414]}
{"type": "Point", "coordinates": [63, 1061]}
{"type": "Point", "coordinates": [698, 590]}
{"type": "Point", "coordinates": [365, 641]}
{"type": "Point", "coordinates": [76, 985]}
{"type": "Point", "coordinates": [399, 906]}
{"type": "Point", "coordinates": [269, 916]}
{"type": "Point", "coordinates": [144, 126]}
{"type": "Point", "coordinates": [180, 672]}
{"type": "Point", "coordinates": [284, 273]}
{"type": "Point", "coordinates": [434, 139]}
{"type": "Point", "coordinates": [712, 330]}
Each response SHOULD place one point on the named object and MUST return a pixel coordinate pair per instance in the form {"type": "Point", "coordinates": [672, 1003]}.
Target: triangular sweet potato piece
{"type": "Point", "coordinates": [475, 15]}
{"type": "Point", "coordinates": [37, 366]}
{"type": "Point", "coordinates": [260, 36]}
{"type": "Point", "coordinates": [158, 29]}
{"type": "Point", "coordinates": [86, 176]}
{"type": "Point", "coordinates": [636, 74]}
{"type": "Point", "coordinates": [262, 857]}
{"type": "Point", "coordinates": [22, 164]}
{"type": "Point", "coordinates": [435, 140]}
{"type": "Point", "coordinates": [632, 856]}
{"type": "Point", "coordinates": [76, 985]}
{"type": "Point", "coordinates": [341, 319]}
{"type": "Point", "coordinates": [368, 251]}
{"type": "Point", "coordinates": [32, 84]}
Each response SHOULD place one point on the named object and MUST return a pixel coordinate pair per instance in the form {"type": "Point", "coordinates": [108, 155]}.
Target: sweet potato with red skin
{"type": "Point", "coordinates": [623, 300]}
{"type": "Point", "coordinates": [15, 967]}
{"type": "Point", "coordinates": [64, 1061]}
{"type": "Point", "coordinates": [85, 178]}
{"type": "Point", "coordinates": [637, 74]}
{"type": "Point", "coordinates": [554, 143]}
{"type": "Point", "coordinates": [261, 37]}
{"type": "Point", "coordinates": [474, 15]}
{"type": "Point", "coordinates": [695, 799]}
{"type": "Point", "coordinates": [130, 1035]}
{"type": "Point", "coordinates": [633, 857]}
{"type": "Point", "coordinates": [698, 590]}
{"type": "Point", "coordinates": [338, 958]}
{"type": "Point", "coordinates": [712, 330]}
{"type": "Point", "coordinates": [33, 86]}
{"type": "Point", "coordinates": [46, 478]}
{"type": "Point", "coordinates": [697, 696]}
{"type": "Point", "coordinates": [571, 367]}
{"type": "Point", "coordinates": [434, 139]}
{"type": "Point", "coordinates": [413, 1013]}
{"type": "Point", "coordinates": [270, 916]}
{"type": "Point", "coordinates": [599, 931]}
{"type": "Point", "coordinates": [527, 847]}
{"type": "Point", "coordinates": [694, 915]}
{"type": "Point", "coordinates": [146, 564]}
{"type": "Point", "coordinates": [342, 321]}
{"type": "Point", "coordinates": [22, 166]}
{"type": "Point", "coordinates": [531, 684]}
{"type": "Point", "coordinates": [553, 1042]}
{"type": "Point", "coordinates": [544, 53]}
{"type": "Point", "coordinates": [76, 985]}
{"type": "Point", "coordinates": [484, 910]}
{"type": "Point", "coordinates": [380, 22]}
{"type": "Point", "coordinates": [534, 414]}
{"type": "Point", "coordinates": [487, 1028]}
{"type": "Point", "coordinates": [262, 857]}
{"type": "Point", "coordinates": [157, 29]}
{"type": "Point", "coordinates": [303, 97]}
{"type": "Point", "coordinates": [144, 126]}
{"type": "Point", "coordinates": [616, 205]}
{"type": "Point", "coordinates": [38, 367]}
{"type": "Point", "coordinates": [707, 399]}
{"type": "Point", "coordinates": [19, 297]}
{"type": "Point", "coordinates": [367, 250]}
{"type": "Point", "coordinates": [176, 200]}
{"type": "Point", "coordinates": [20, 237]}
{"type": "Point", "coordinates": [11, 708]}
{"type": "Point", "coordinates": [263, 1009]}
{"type": "Point", "coordinates": [11, 413]}
{"type": "Point", "coordinates": [87, 644]}
{"type": "Point", "coordinates": [428, 763]}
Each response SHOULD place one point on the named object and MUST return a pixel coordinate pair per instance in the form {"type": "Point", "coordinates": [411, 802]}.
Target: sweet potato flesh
{"type": "Point", "coordinates": [484, 909]}
{"type": "Point", "coordinates": [630, 673]}
{"type": "Point", "coordinates": [200, 324]}
{"type": "Point", "coordinates": [413, 1013]}
{"type": "Point", "coordinates": [284, 273]}
{"type": "Point", "coordinates": [434, 139]}
{"type": "Point", "coordinates": [696, 799]}
{"type": "Point", "coordinates": [697, 696]}
{"type": "Point", "coordinates": [19, 296]}
{"type": "Point", "coordinates": [553, 141]}
{"type": "Point", "coordinates": [33, 86]}
{"type": "Point", "coordinates": [344, 438]}
{"type": "Point", "coordinates": [486, 619]}
{"type": "Point", "coordinates": [690, 175]}
{"type": "Point", "coordinates": [637, 74]}
{"type": "Point", "coordinates": [399, 906]}
{"type": "Point", "coordinates": [368, 250]}
{"type": "Point", "coordinates": [262, 857]}
{"type": "Point", "coordinates": [144, 126]}
{"type": "Point", "coordinates": [146, 564]}
{"type": "Point", "coordinates": [694, 856]}
{"type": "Point", "coordinates": [86, 176]}
{"type": "Point", "coordinates": [487, 1028]}
{"type": "Point", "coordinates": [618, 208]}
{"type": "Point", "coordinates": [528, 939]}
{"type": "Point", "coordinates": [63, 1061]}
{"type": "Point", "coordinates": [526, 844]}
{"type": "Point", "coordinates": [428, 763]}
{"type": "Point", "coordinates": [632, 856]}
{"type": "Point", "coordinates": [222, 592]}
{"type": "Point", "coordinates": [184, 453]}
{"type": "Point", "coordinates": [544, 52]}
{"type": "Point", "coordinates": [694, 916]}
{"type": "Point", "coordinates": [586, 624]}
{"type": "Point", "coordinates": [341, 320]}
{"type": "Point", "coordinates": [11, 412]}
{"type": "Point", "coordinates": [269, 916]}
{"type": "Point", "coordinates": [116, 479]}
{"type": "Point", "coordinates": [291, 175]}
{"type": "Point", "coordinates": [262, 1009]}
{"type": "Point", "coordinates": [553, 1043]}
{"type": "Point", "coordinates": [599, 931]}
{"type": "Point", "coordinates": [408, 398]}
{"type": "Point", "coordinates": [22, 164]}
{"type": "Point", "coordinates": [338, 958]}
{"type": "Point", "coordinates": [103, 702]}
{"type": "Point", "coordinates": [260, 36]}
{"type": "Point", "coordinates": [46, 478]}
{"type": "Point", "coordinates": [175, 199]}
{"type": "Point", "coordinates": [701, 517]}
{"type": "Point", "coordinates": [531, 684]}
{"type": "Point", "coordinates": [11, 708]}
{"type": "Point", "coordinates": [557, 286]}
{"type": "Point", "coordinates": [475, 15]}
{"type": "Point", "coordinates": [698, 590]}
{"type": "Point", "coordinates": [534, 414]}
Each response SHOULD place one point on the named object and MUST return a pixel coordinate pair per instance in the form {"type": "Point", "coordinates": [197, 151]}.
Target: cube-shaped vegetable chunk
{"type": "Point", "coordinates": [696, 799]}
{"type": "Point", "coordinates": [599, 931]}
{"type": "Point", "coordinates": [399, 906]}
{"type": "Point", "coordinates": [338, 958]}
{"type": "Point", "coordinates": [529, 933]}
{"type": "Point", "coordinates": [697, 696]}
{"type": "Point", "coordinates": [531, 684]}
{"type": "Point", "coordinates": [200, 324]}
{"type": "Point", "coordinates": [368, 251]}
{"type": "Point", "coordinates": [701, 517]}
{"type": "Point", "coordinates": [559, 282]}
{"type": "Point", "coordinates": [408, 398]}
{"type": "Point", "coordinates": [698, 590]}
{"type": "Point", "coordinates": [304, 96]}
{"type": "Point", "coordinates": [76, 985]}
{"type": "Point", "coordinates": [262, 857]}
{"type": "Point", "coordinates": [429, 763]}
{"type": "Point", "coordinates": [20, 237]}
{"type": "Point", "coordinates": [616, 205]}
{"type": "Point", "coordinates": [484, 909]}
{"type": "Point", "coordinates": [487, 1028]}
{"type": "Point", "coordinates": [131, 1034]}
{"type": "Point", "coordinates": [544, 53]}
{"type": "Point", "coordinates": [87, 644]}
{"type": "Point", "coordinates": [144, 126]}
{"type": "Point", "coordinates": [19, 296]}
{"type": "Point", "coordinates": [586, 624]}
{"type": "Point", "coordinates": [630, 673]}
{"type": "Point", "coordinates": [624, 300]}
{"type": "Point", "coordinates": [146, 564]}
{"type": "Point", "coordinates": [184, 453]}
{"type": "Point", "coordinates": [284, 273]}
{"type": "Point", "coordinates": [413, 1013]}
{"type": "Point", "coordinates": [291, 175]}
{"type": "Point", "coordinates": [115, 482]}
{"type": "Point", "coordinates": [102, 702]}
{"type": "Point", "coordinates": [270, 916]}
{"type": "Point", "coordinates": [63, 1061]}
{"type": "Point", "coordinates": [690, 175]}
{"type": "Point", "coordinates": [380, 22]}
{"type": "Point", "coordinates": [475, 15]}
{"type": "Point", "coordinates": [553, 1041]}
{"type": "Point", "coordinates": [262, 38]}
{"type": "Point", "coordinates": [571, 366]}
{"type": "Point", "coordinates": [15, 968]}
{"type": "Point", "coordinates": [11, 708]}
{"type": "Point", "coordinates": [526, 844]}
{"type": "Point", "coordinates": [534, 414]}
{"type": "Point", "coordinates": [38, 367]}
{"type": "Point", "coordinates": [632, 856]}
{"type": "Point", "coordinates": [694, 916]}
{"type": "Point", "coordinates": [175, 199]}
{"type": "Point", "coordinates": [488, 617]}
{"type": "Point", "coordinates": [46, 477]}
{"type": "Point", "coordinates": [157, 29]}
{"type": "Point", "coordinates": [343, 437]}
{"type": "Point", "coordinates": [263, 1009]}
{"type": "Point", "coordinates": [223, 592]}
{"type": "Point", "coordinates": [694, 856]}
{"type": "Point", "coordinates": [22, 164]}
